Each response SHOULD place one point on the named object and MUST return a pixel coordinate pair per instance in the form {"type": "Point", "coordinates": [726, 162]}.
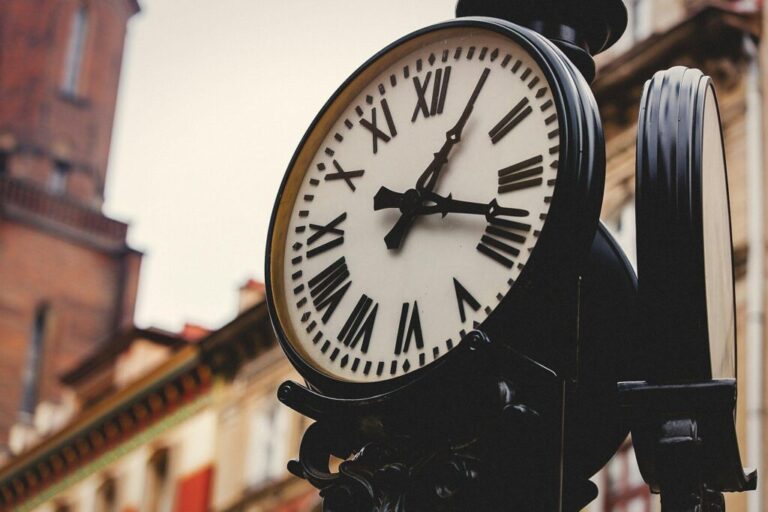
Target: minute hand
{"type": "Point", "coordinates": [428, 178]}
{"type": "Point", "coordinates": [446, 205]}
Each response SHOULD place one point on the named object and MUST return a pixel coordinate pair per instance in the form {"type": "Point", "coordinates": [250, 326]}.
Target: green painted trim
{"type": "Point", "coordinates": [111, 456]}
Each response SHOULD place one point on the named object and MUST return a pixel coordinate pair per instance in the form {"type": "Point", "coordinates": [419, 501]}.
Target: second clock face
{"type": "Point", "coordinates": [718, 262]}
{"type": "Point", "coordinates": [418, 205]}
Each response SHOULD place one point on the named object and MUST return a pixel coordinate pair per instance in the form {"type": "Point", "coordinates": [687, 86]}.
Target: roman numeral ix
{"type": "Point", "coordinates": [521, 175]}
{"type": "Point", "coordinates": [329, 286]}
{"type": "Point", "coordinates": [439, 89]}
{"type": "Point", "coordinates": [462, 296]}
{"type": "Point", "coordinates": [412, 332]}
{"type": "Point", "coordinates": [372, 126]}
{"type": "Point", "coordinates": [513, 118]}
{"type": "Point", "coordinates": [498, 234]}
{"type": "Point", "coordinates": [328, 229]}
{"type": "Point", "coordinates": [359, 324]}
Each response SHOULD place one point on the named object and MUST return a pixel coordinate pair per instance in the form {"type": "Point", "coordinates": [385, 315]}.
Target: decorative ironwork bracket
{"type": "Point", "coordinates": [685, 441]}
{"type": "Point", "coordinates": [480, 444]}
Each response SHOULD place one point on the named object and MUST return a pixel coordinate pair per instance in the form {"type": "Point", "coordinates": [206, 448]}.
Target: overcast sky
{"type": "Point", "coordinates": [214, 97]}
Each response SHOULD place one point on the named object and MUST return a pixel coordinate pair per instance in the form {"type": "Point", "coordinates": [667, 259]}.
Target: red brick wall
{"type": "Point", "coordinates": [80, 284]}
{"type": "Point", "coordinates": [43, 123]}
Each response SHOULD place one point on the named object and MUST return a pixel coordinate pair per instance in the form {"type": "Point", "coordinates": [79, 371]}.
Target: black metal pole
{"type": "Point", "coordinates": [580, 28]}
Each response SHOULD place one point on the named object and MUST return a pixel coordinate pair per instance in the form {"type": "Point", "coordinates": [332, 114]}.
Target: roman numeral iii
{"type": "Point", "coordinates": [411, 332]}
{"type": "Point", "coordinates": [329, 229]}
{"type": "Point", "coordinates": [438, 91]}
{"type": "Point", "coordinates": [521, 175]}
{"type": "Point", "coordinates": [376, 132]}
{"type": "Point", "coordinates": [359, 324]}
{"type": "Point", "coordinates": [328, 287]}
{"type": "Point", "coordinates": [513, 118]}
{"type": "Point", "coordinates": [496, 242]}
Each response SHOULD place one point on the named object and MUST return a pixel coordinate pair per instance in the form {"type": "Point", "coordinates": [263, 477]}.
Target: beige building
{"type": "Point", "coordinates": [722, 38]}
{"type": "Point", "coordinates": [158, 422]}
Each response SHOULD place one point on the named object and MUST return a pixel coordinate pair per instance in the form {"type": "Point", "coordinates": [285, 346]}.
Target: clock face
{"type": "Point", "coordinates": [721, 319]}
{"type": "Point", "coordinates": [414, 204]}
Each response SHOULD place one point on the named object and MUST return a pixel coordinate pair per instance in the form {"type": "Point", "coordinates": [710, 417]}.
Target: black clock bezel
{"type": "Point", "coordinates": [565, 239]}
{"type": "Point", "coordinates": [670, 228]}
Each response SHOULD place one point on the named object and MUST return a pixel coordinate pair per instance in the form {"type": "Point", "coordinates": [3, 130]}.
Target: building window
{"type": "Point", "coordinates": [269, 434]}
{"type": "Point", "coordinates": [157, 492]}
{"type": "Point", "coordinates": [4, 162]}
{"type": "Point", "coordinates": [106, 496]}
{"type": "Point", "coordinates": [62, 506]}
{"type": "Point", "coordinates": [34, 363]}
{"type": "Point", "coordinates": [58, 181]}
{"type": "Point", "coordinates": [73, 61]}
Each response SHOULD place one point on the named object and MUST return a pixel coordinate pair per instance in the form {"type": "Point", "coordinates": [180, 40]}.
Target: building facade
{"type": "Point", "coordinates": [59, 72]}
{"type": "Point", "coordinates": [171, 423]}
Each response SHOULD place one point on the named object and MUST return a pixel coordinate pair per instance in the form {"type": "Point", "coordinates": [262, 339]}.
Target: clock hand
{"type": "Point", "coordinates": [428, 178]}
{"type": "Point", "coordinates": [407, 203]}
{"type": "Point", "coordinates": [411, 204]}
{"type": "Point", "coordinates": [386, 199]}
{"type": "Point", "coordinates": [446, 205]}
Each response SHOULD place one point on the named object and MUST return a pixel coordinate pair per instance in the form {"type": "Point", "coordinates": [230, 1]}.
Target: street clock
{"type": "Point", "coordinates": [684, 248]}
{"type": "Point", "coordinates": [454, 173]}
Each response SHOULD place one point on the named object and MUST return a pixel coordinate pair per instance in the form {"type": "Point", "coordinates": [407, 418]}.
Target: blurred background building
{"type": "Point", "coordinates": [99, 415]}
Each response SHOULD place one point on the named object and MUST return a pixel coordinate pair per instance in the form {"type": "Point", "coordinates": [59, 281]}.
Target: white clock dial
{"type": "Point", "coordinates": [721, 319]}
{"type": "Point", "coordinates": [405, 234]}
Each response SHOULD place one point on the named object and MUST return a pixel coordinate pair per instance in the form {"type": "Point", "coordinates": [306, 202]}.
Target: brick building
{"type": "Point", "coordinates": [67, 276]}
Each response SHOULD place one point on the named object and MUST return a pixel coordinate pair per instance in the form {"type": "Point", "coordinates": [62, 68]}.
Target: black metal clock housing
{"type": "Point", "coordinates": [684, 247]}
{"type": "Point", "coordinates": [536, 311]}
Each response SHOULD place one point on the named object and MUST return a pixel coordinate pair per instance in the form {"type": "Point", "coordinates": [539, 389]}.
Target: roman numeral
{"type": "Point", "coordinates": [439, 89]}
{"type": "Point", "coordinates": [514, 117]}
{"type": "Point", "coordinates": [328, 229]}
{"type": "Point", "coordinates": [462, 296]}
{"type": "Point", "coordinates": [521, 175]}
{"type": "Point", "coordinates": [498, 234]}
{"type": "Point", "coordinates": [411, 332]}
{"type": "Point", "coordinates": [328, 287]}
{"type": "Point", "coordinates": [359, 324]}
{"type": "Point", "coordinates": [372, 126]}
{"type": "Point", "coordinates": [341, 174]}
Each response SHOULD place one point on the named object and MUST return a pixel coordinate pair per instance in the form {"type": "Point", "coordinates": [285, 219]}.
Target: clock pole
{"type": "Point", "coordinates": [580, 28]}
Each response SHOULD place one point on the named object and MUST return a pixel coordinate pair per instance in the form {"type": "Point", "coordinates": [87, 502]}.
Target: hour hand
{"type": "Point", "coordinates": [386, 198]}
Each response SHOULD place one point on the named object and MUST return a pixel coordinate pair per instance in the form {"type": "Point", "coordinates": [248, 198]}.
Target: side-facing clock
{"type": "Point", "coordinates": [450, 174]}
{"type": "Point", "coordinates": [684, 247]}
